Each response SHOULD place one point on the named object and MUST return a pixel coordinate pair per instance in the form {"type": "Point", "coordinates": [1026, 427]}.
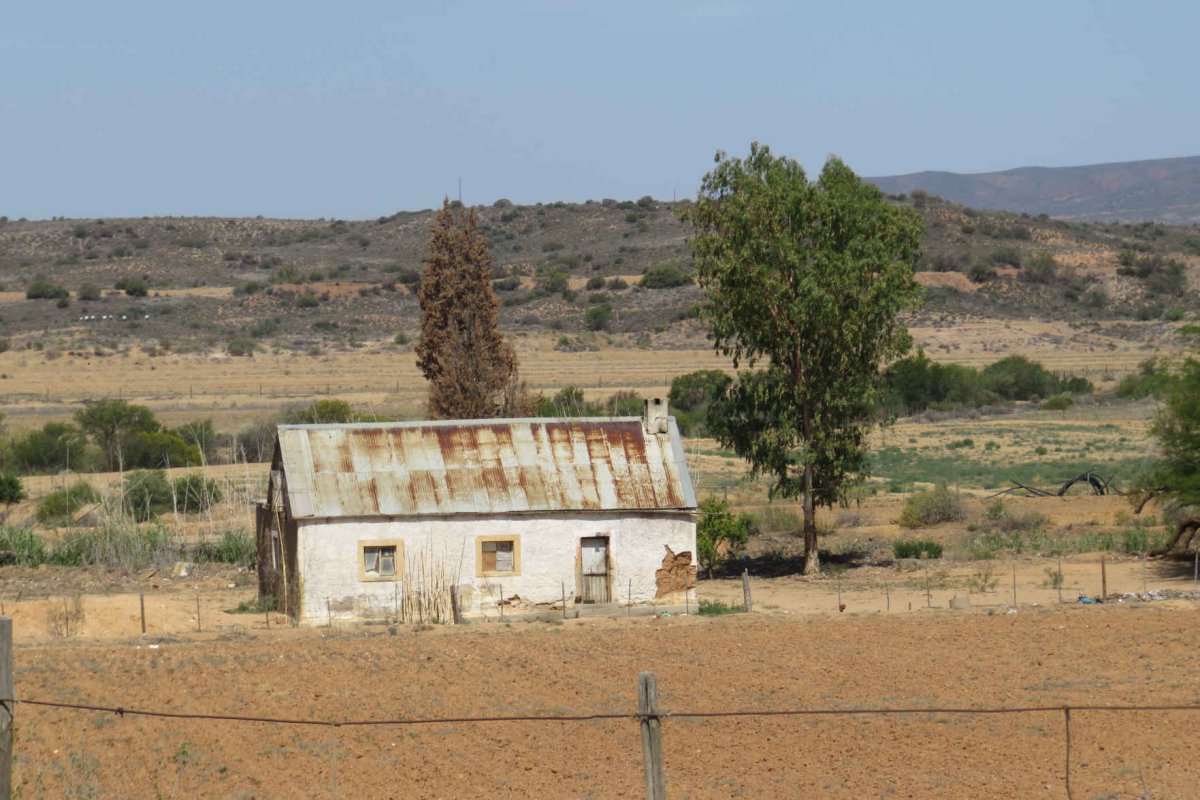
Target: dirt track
{"type": "Point", "coordinates": [1076, 655]}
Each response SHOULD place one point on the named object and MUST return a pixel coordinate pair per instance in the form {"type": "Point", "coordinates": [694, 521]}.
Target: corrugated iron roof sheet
{"type": "Point", "coordinates": [483, 467]}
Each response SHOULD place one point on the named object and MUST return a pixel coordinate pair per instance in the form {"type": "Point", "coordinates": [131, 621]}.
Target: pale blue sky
{"type": "Point", "coordinates": [358, 109]}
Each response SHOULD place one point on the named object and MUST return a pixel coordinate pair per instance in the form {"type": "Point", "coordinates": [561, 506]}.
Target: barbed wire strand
{"type": "Point", "coordinates": [783, 712]}
{"type": "Point", "coordinates": [1065, 710]}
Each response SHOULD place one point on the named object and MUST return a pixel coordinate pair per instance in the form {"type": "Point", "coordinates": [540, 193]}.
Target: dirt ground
{"type": "Point", "coordinates": [1039, 656]}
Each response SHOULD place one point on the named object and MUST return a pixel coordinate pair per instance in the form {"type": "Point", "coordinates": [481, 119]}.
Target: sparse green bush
{"type": "Point", "coordinates": [58, 507]}
{"type": "Point", "coordinates": [241, 346]}
{"type": "Point", "coordinates": [691, 395]}
{"type": "Point", "coordinates": [916, 548]}
{"type": "Point", "coordinates": [320, 412]}
{"type": "Point", "coordinates": [1042, 268]}
{"type": "Point", "coordinates": [147, 494]}
{"type": "Point", "coordinates": [931, 507]}
{"type": "Point", "coordinates": [719, 532]}
{"type": "Point", "coordinates": [41, 289]}
{"type": "Point", "coordinates": [89, 292]}
{"type": "Point", "coordinates": [11, 490]}
{"type": "Point", "coordinates": [1060, 402]}
{"type": "Point", "coordinates": [401, 338]}
{"type": "Point", "coordinates": [665, 276]}
{"type": "Point", "coordinates": [1151, 379]}
{"type": "Point", "coordinates": [195, 493]}
{"type": "Point", "coordinates": [568, 402]}
{"type": "Point", "coordinates": [716, 608]}
{"type": "Point", "coordinates": [617, 284]}
{"type": "Point", "coordinates": [307, 300]}
{"type": "Point", "coordinates": [133, 287]}
{"type": "Point", "coordinates": [598, 318]}
{"type": "Point", "coordinates": [595, 282]}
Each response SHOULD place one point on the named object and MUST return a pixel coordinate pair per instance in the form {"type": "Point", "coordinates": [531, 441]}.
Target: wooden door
{"type": "Point", "coordinates": [594, 561]}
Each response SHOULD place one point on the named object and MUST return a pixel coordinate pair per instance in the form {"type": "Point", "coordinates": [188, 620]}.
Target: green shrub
{"type": "Point", "coordinates": [916, 548]}
{"type": "Point", "coordinates": [155, 449]}
{"type": "Point", "coordinates": [1019, 378]}
{"type": "Point", "coordinates": [11, 490]}
{"type": "Point", "coordinates": [321, 412]}
{"type": "Point", "coordinates": [59, 506]}
{"type": "Point", "coordinates": [195, 493]}
{"type": "Point", "coordinates": [241, 346]}
{"type": "Point", "coordinates": [41, 289]}
{"type": "Point", "coordinates": [307, 300]}
{"type": "Point", "coordinates": [595, 282]}
{"type": "Point", "coordinates": [89, 291]}
{"type": "Point", "coordinates": [716, 608]}
{"type": "Point", "coordinates": [719, 529]}
{"type": "Point", "coordinates": [568, 402]}
{"type": "Point", "coordinates": [665, 276]}
{"type": "Point", "coordinates": [1060, 402]}
{"type": "Point", "coordinates": [147, 494]}
{"type": "Point", "coordinates": [598, 318]}
{"type": "Point", "coordinates": [691, 395]}
{"type": "Point", "coordinates": [133, 287]}
{"type": "Point", "coordinates": [931, 507]}
{"type": "Point", "coordinates": [1150, 380]}
{"type": "Point", "coordinates": [248, 288]}
{"type": "Point", "coordinates": [1042, 269]}
{"type": "Point", "coordinates": [617, 284]}
{"type": "Point", "coordinates": [401, 339]}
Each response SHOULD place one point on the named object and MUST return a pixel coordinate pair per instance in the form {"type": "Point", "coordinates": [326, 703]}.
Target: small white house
{"type": "Point", "coordinates": [422, 520]}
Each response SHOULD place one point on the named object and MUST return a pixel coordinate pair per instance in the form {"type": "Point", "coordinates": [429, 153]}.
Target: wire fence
{"type": "Point", "coordinates": [640, 717]}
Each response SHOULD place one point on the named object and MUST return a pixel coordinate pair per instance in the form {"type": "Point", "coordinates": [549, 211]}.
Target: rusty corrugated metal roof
{"type": "Point", "coordinates": [483, 467]}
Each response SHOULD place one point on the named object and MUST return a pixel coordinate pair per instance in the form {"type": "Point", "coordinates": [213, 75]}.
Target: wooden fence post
{"type": "Point", "coordinates": [6, 713]}
{"type": "Point", "coordinates": [651, 725]}
{"type": "Point", "coordinates": [455, 609]}
{"type": "Point", "coordinates": [1060, 580]}
{"type": "Point", "coordinates": [1103, 581]}
{"type": "Point", "coordinates": [142, 607]}
{"type": "Point", "coordinates": [746, 601]}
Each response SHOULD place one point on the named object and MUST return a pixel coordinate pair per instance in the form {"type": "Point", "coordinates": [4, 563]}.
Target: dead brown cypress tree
{"type": "Point", "coordinates": [471, 369]}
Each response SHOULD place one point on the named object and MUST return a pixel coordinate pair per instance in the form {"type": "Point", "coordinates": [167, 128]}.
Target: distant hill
{"type": "Point", "coordinates": [195, 284]}
{"type": "Point", "coordinates": [1163, 190]}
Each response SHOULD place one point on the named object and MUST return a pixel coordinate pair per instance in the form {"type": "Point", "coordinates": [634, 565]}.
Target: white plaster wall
{"type": "Point", "coordinates": [329, 553]}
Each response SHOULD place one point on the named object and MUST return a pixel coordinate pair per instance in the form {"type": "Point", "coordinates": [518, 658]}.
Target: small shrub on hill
{"type": "Point", "coordinates": [58, 507]}
{"type": "Point", "coordinates": [916, 548]}
{"type": "Point", "coordinates": [665, 276]}
{"type": "Point", "coordinates": [195, 493]}
{"type": "Point", "coordinates": [931, 507]}
{"type": "Point", "coordinates": [41, 289]}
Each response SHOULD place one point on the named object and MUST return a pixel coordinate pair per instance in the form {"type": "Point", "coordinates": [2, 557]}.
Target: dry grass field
{"type": "Point", "coordinates": [37, 387]}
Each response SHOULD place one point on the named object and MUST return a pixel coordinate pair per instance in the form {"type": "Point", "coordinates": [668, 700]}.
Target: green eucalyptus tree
{"type": "Point", "coordinates": [805, 281]}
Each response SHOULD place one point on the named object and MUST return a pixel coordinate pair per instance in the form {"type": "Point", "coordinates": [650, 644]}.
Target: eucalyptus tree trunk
{"type": "Point", "coordinates": [812, 563]}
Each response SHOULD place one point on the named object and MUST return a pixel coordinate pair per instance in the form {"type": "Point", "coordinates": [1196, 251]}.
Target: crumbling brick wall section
{"type": "Point", "coordinates": [676, 575]}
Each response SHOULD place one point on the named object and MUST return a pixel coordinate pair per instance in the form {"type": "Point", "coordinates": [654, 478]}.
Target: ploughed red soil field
{"type": "Point", "coordinates": [1078, 655]}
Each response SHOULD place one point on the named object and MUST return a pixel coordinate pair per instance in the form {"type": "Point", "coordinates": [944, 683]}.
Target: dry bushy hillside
{"type": "Point", "coordinates": [245, 284]}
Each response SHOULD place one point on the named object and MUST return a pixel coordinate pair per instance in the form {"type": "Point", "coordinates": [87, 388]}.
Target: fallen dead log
{"type": "Point", "coordinates": [1185, 532]}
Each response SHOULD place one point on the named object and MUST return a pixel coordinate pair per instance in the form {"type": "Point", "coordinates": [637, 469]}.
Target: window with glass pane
{"type": "Point", "coordinates": [379, 561]}
{"type": "Point", "coordinates": [497, 556]}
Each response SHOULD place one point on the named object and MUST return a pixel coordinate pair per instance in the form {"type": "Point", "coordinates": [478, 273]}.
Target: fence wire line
{"type": "Point", "coordinates": [789, 712]}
